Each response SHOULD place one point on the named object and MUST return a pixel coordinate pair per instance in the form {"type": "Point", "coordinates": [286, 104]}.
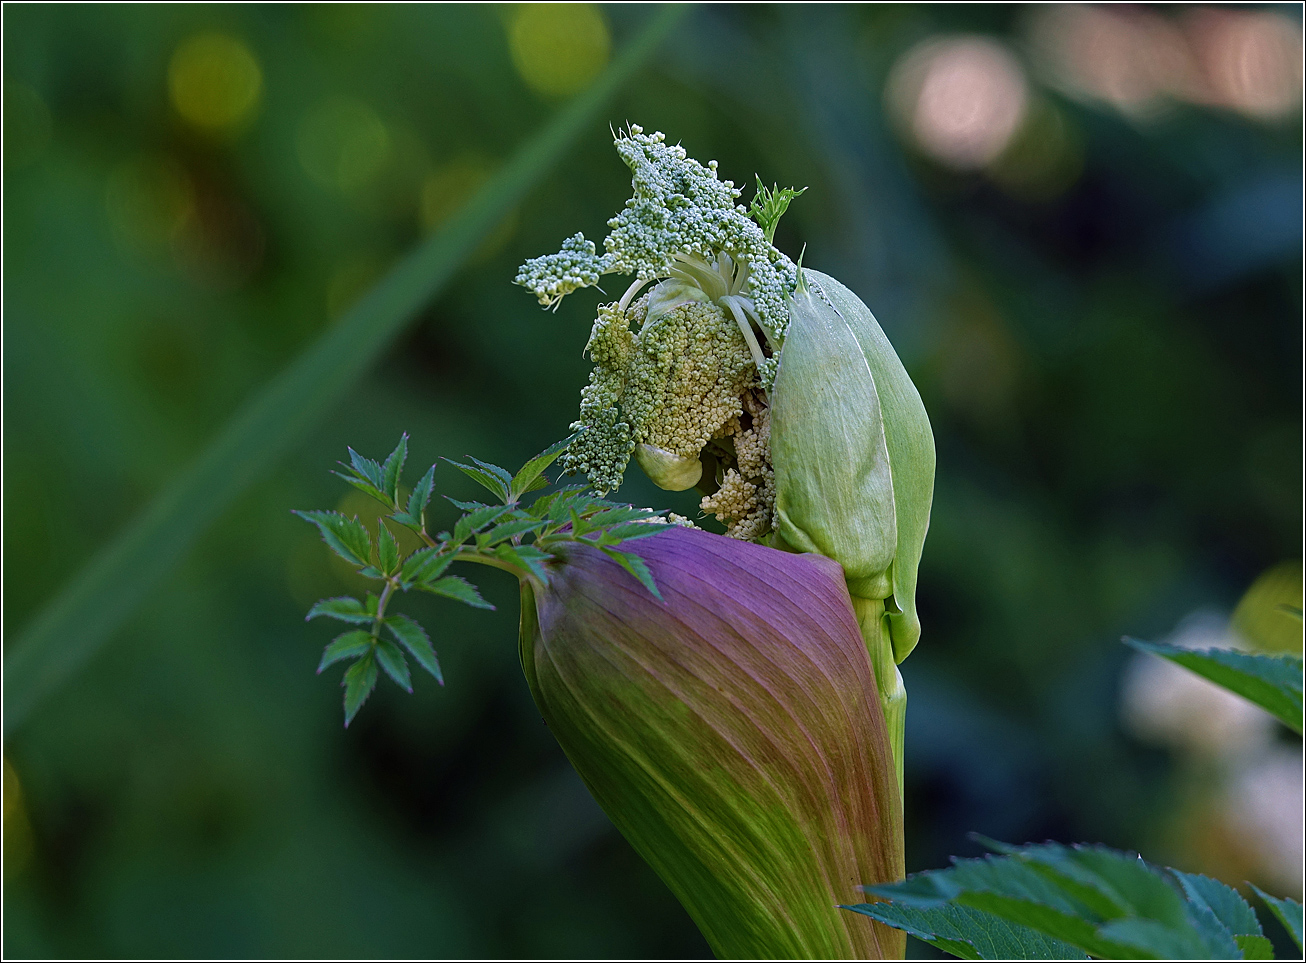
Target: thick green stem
{"type": "Point", "coordinates": [893, 695]}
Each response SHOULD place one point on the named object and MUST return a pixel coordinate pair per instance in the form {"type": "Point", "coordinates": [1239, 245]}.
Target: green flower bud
{"type": "Point", "coordinates": [667, 470]}
{"type": "Point", "coordinates": [852, 450]}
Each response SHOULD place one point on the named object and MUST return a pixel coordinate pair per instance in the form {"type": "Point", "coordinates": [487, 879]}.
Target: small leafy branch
{"type": "Point", "coordinates": [509, 535]}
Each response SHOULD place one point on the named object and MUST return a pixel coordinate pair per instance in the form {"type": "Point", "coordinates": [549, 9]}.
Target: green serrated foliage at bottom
{"type": "Point", "coordinates": [970, 934]}
{"type": "Point", "coordinates": [1288, 912]}
{"type": "Point", "coordinates": [1105, 902]}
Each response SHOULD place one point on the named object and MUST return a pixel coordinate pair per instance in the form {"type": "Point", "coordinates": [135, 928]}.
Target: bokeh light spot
{"type": "Point", "coordinates": [961, 99]}
{"type": "Point", "coordinates": [343, 144]}
{"type": "Point", "coordinates": [215, 82]}
{"type": "Point", "coordinates": [27, 125]}
{"type": "Point", "coordinates": [559, 48]}
{"type": "Point", "coordinates": [1252, 61]}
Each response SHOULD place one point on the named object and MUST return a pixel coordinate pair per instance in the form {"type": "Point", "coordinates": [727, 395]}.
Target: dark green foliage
{"type": "Point", "coordinates": [1273, 682]}
{"type": "Point", "coordinates": [1039, 901]}
{"type": "Point", "coordinates": [969, 933]}
{"type": "Point", "coordinates": [485, 534]}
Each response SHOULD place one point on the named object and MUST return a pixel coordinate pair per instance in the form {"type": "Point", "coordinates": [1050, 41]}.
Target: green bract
{"type": "Point", "coordinates": [731, 732]}
{"type": "Point", "coordinates": [852, 450]}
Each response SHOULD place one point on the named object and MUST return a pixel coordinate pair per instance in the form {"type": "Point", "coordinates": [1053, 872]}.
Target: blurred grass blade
{"type": "Point", "coordinates": [100, 597]}
{"type": "Point", "coordinates": [1273, 682]}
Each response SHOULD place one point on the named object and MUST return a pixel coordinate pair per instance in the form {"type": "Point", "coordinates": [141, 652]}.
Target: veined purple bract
{"type": "Point", "coordinates": [731, 731]}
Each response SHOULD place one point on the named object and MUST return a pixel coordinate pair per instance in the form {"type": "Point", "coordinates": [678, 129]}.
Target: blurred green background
{"type": "Point", "coordinates": [1081, 227]}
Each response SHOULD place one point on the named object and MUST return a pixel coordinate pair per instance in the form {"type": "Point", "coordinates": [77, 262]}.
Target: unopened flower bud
{"type": "Point", "coordinates": [852, 450]}
{"type": "Point", "coordinates": [667, 470]}
{"type": "Point", "coordinates": [730, 730]}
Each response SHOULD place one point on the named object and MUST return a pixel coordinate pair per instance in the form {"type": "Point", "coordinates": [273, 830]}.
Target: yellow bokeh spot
{"type": "Point", "coordinates": [1269, 618]}
{"type": "Point", "coordinates": [215, 82]}
{"type": "Point", "coordinates": [559, 48]}
{"type": "Point", "coordinates": [343, 143]}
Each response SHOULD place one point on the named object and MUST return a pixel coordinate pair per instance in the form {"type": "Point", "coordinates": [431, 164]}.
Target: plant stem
{"type": "Point", "coordinates": [893, 695]}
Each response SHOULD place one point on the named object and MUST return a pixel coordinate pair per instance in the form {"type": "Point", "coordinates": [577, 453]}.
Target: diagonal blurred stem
{"type": "Point", "coordinates": [100, 598]}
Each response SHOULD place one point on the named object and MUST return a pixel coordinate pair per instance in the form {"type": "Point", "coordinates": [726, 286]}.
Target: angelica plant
{"type": "Point", "coordinates": [732, 702]}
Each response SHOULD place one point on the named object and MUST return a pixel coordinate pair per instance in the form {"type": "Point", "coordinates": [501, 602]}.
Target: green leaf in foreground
{"type": "Point", "coordinates": [360, 680]}
{"type": "Point", "coordinates": [345, 536]}
{"type": "Point", "coordinates": [1103, 902]}
{"type": "Point", "coordinates": [1272, 682]}
{"type": "Point", "coordinates": [394, 663]}
{"type": "Point", "coordinates": [1288, 912]}
{"type": "Point", "coordinates": [970, 934]}
{"type": "Point", "coordinates": [635, 566]}
{"type": "Point", "coordinates": [345, 646]}
{"type": "Point", "coordinates": [528, 478]}
{"type": "Point", "coordinates": [345, 609]}
{"type": "Point", "coordinates": [413, 638]}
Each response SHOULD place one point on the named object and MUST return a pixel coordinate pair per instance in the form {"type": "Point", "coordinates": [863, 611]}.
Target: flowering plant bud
{"type": "Point", "coordinates": [731, 731]}
{"type": "Point", "coordinates": [852, 451]}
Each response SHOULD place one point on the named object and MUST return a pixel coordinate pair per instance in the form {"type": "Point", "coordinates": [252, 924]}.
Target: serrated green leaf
{"type": "Point", "coordinates": [414, 638]}
{"type": "Point", "coordinates": [1224, 902]}
{"type": "Point", "coordinates": [525, 480]}
{"type": "Point", "coordinates": [425, 564]}
{"type": "Point", "coordinates": [630, 531]}
{"type": "Point", "coordinates": [394, 663]}
{"type": "Point", "coordinates": [528, 558]}
{"type": "Point", "coordinates": [466, 506]}
{"type": "Point", "coordinates": [421, 494]}
{"type": "Point", "coordinates": [1287, 911]}
{"type": "Point", "coordinates": [393, 469]}
{"type": "Point", "coordinates": [486, 479]}
{"type": "Point", "coordinates": [1102, 901]}
{"type": "Point", "coordinates": [387, 549]}
{"type": "Point", "coordinates": [506, 530]}
{"type": "Point", "coordinates": [636, 567]}
{"type": "Point", "coordinates": [1272, 682]}
{"type": "Point", "coordinates": [368, 469]}
{"type": "Point", "coordinates": [1255, 947]}
{"type": "Point", "coordinates": [345, 536]}
{"type": "Point", "coordinates": [458, 588]}
{"type": "Point", "coordinates": [477, 520]}
{"type": "Point", "coordinates": [970, 933]}
{"type": "Point", "coordinates": [345, 646]}
{"type": "Point", "coordinates": [359, 681]}
{"type": "Point", "coordinates": [408, 521]}
{"type": "Point", "coordinates": [345, 608]}
{"type": "Point", "coordinates": [363, 485]}
{"type": "Point", "coordinates": [540, 507]}
{"type": "Point", "coordinates": [372, 603]}
{"type": "Point", "coordinates": [371, 571]}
